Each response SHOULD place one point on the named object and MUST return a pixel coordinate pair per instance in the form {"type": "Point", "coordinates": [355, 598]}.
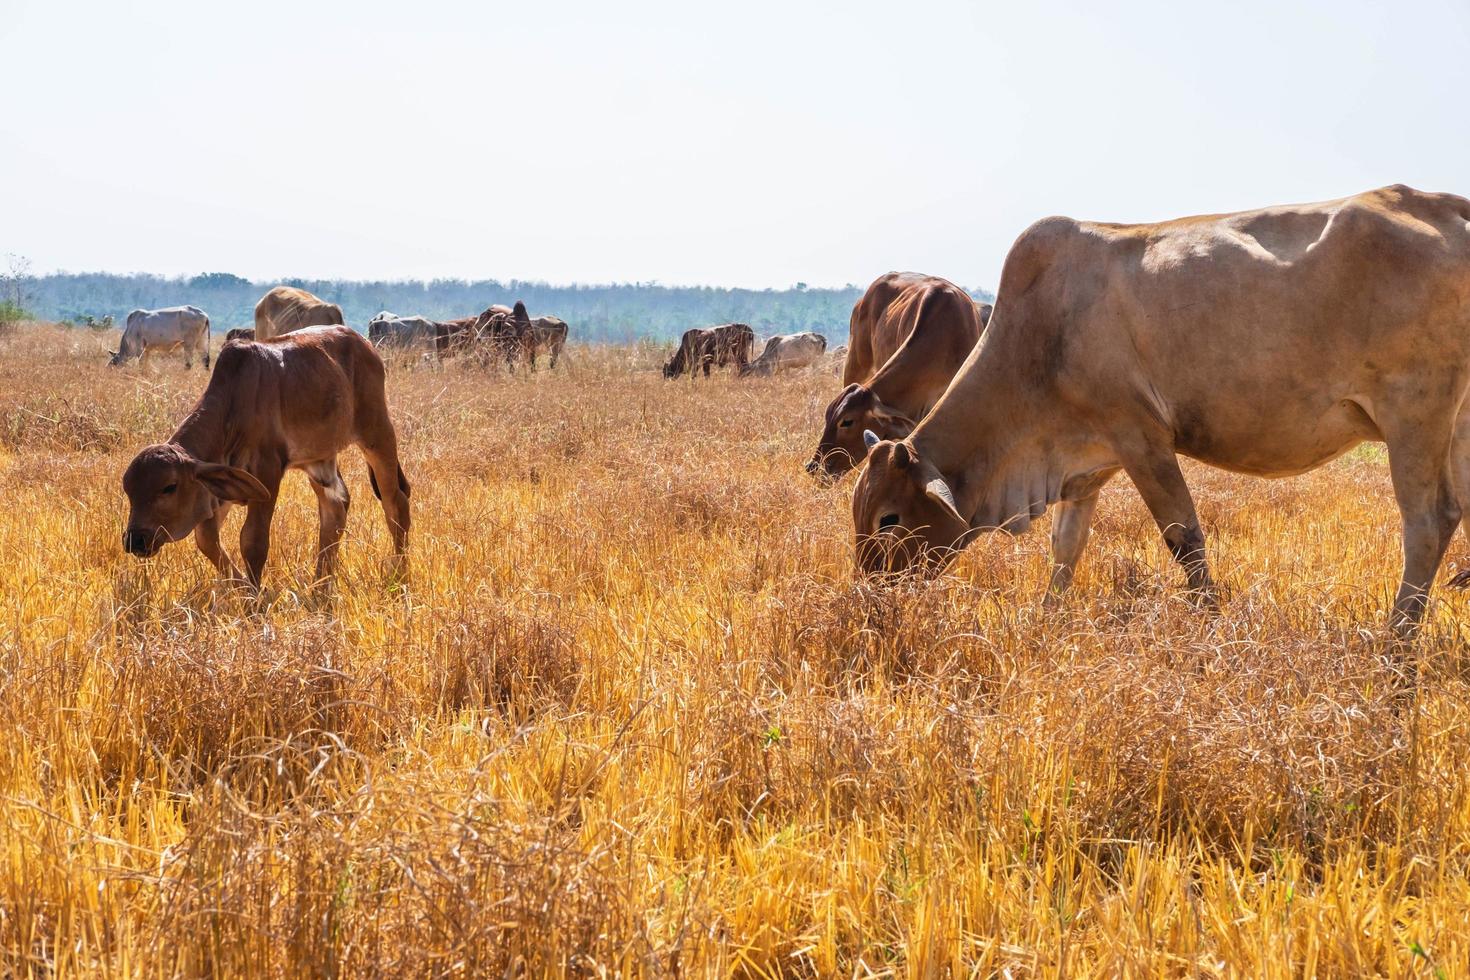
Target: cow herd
{"type": "Point", "coordinates": [1265, 342]}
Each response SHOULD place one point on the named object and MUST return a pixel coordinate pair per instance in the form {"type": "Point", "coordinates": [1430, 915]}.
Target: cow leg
{"type": "Point", "coordinates": [1070, 529]}
{"type": "Point", "coordinates": [1460, 465]}
{"type": "Point", "coordinates": [206, 537]}
{"type": "Point", "coordinates": [332, 504]}
{"type": "Point", "coordinates": [1424, 485]}
{"type": "Point", "coordinates": [255, 537]}
{"type": "Point", "coordinates": [555, 353]}
{"type": "Point", "coordinates": [1156, 475]}
{"type": "Point", "coordinates": [379, 444]}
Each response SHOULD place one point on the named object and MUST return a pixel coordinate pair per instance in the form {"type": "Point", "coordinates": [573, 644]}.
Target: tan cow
{"type": "Point", "coordinates": [910, 334]}
{"type": "Point", "coordinates": [1266, 342]}
{"type": "Point", "coordinates": [787, 352]}
{"type": "Point", "coordinates": [549, 334]}
{"type": "Point", "coordinates": [286, 308]}
{"type": "Point", "coordinates": [290, 403]}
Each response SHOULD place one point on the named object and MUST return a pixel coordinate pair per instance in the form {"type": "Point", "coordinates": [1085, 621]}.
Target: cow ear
{"type": "Point", "coordinates": [870, 439]}
{"type": "Point", "coordinates": [231, 484]}
{"type": "Point", "coordinates": [888, 415]}
{"type": "Point", "coordinates": [938, 491]}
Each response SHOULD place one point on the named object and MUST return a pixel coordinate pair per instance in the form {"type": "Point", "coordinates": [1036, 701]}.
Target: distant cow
{"type": "Point", "coordinates": [389, 330]}
{"type": "Point", "coordinates": [147, 331]}
{"type": "Point", "coordinates": [729, 344]}
{"type": "Point", "coordinates": [240, 333]}
{"type": "Point", "coordinates": [504, 334]}
{"type": "Point", "coordinates": [839, 360]}
{"type": "Point", "coordinates": [787, 352]}
{"type": "Point", "coordinates": [454, 336]}
{"type": "Point", "coordinates": [548, 333]}
{"type": "Point", "coordinates": [910, 334]}
{"type": "Point", "coordinates": [287, 308]}
{"type": "Point", "coordinates": [290, 403]}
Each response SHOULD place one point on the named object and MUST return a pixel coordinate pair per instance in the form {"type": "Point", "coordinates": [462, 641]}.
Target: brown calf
{"type": "Point", "coordinates": [290, 403]}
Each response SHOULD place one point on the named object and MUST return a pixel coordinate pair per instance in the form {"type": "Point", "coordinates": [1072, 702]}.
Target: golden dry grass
{"type": "Point", "coordinates": [634, 714]}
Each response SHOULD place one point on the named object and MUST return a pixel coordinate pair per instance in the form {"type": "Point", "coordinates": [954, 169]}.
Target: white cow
{"type": "Point", "coordinates": [389, 330]}
{"type": "Point", "coordinates": [147, 331]}
{"type": "Point", "coordinates": [786, 352]}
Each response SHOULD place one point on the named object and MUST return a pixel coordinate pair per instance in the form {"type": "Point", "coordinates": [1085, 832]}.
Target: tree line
{"type": "Point", "coordinates": [617, 313]}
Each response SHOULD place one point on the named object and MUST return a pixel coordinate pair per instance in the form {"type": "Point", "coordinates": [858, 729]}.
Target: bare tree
{"type": "Point", "coordinates": [15, 282]}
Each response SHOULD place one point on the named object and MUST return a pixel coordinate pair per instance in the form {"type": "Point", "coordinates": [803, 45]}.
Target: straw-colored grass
{"type": "Point", "coordinates": [635, 715]}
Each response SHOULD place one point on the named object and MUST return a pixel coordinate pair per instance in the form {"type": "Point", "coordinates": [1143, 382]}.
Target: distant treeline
{"type": "Point", "coordinates": [601, 314]}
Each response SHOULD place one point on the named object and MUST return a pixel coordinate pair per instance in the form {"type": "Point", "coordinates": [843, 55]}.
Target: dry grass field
{"type": "Point", "coordinates": [633, 714]}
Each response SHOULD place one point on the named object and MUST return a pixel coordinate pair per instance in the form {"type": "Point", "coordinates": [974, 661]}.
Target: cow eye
{"type": "Point", "coordinates": [887, 520]}
{"type": "Point", "coordinates": [845, 424]}
{"type": "Point", "coordinates": [168, 490]}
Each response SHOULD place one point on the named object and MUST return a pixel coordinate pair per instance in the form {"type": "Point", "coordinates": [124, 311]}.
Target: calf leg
{"type": "Point", "coordinates": [1069, 532]}
{"type": "Point", "coordinates": [332, 503]}
{"type": "Point", "coordinates": [255, 537]}
{"type": "Point", "coordinates": [379, 444]}
{"type": "Point", "coordinates": [206, 537]}
{"type": "Point", "coordinates": [1156, 475]}
{"type": "Point", "coordinates": [1424, 486]}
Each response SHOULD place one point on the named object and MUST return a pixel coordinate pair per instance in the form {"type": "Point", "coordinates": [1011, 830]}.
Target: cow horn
{"type": "Point", "coordinates": [870, 439]}
{"type": "Point", "coordinates": [938, 491]}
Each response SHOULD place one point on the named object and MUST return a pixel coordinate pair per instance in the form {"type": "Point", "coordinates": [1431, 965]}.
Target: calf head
{"type": "Point", "coordinates": [852, 413]}
{"type": "Point", "coordinates": [904, 514]}
{"type": "Point", "coordinates": [170, 493]}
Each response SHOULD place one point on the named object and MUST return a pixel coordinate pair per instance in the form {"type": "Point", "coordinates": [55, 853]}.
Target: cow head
{"type": "Point", "coordinates": [904, 514]}
{"type": "Point", "coordinates": [841, 447]}
{"type": "Point", "coordinates": [170, 493]}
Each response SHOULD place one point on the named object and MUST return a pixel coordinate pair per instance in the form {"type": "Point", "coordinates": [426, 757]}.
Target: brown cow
{"type": "Point", "coordinates": [910, 334]}
{"type": "Point", "coordinates": [287, 308]}
{"type": "Point", "coordinates": [290, 403]}
{"type": "Point", "coordinates": [1266, 342]}
{"type": "Point", "coordinates": [240, 333]}
{"type": "Point", "coordinates": [454, 336]}
{"type": "Point", "coordinates": [502, 333]}
{"type": "Point", "coordinates": [728, 344]}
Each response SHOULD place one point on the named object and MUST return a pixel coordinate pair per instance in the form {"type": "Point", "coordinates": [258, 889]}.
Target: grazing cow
{"type": "Point", "coordinates": [290, 403]}
{"type": "Point", "coordinates": [240, 333]}
{"type": "Point", "coordinates": [504, 334]}
{"type": "Point", "coordinates": [146, 331]}
{"type": "Point", "coordinates": [548, 333]}
{"type": "Point", "coordinates": [287, 308]}
{"type": "Point", "coordinates": [728, 344]}
{"type": "Point", "coordinates": [389, 330]}
{"type": "Point", "coordinates": [787, 352]}
{"type": "Point", "coordinates": [454, 336]}
{"type": "Point", "coordinates": [1265, 342]}
{"type": "Point", "coordinates": [910, 334]}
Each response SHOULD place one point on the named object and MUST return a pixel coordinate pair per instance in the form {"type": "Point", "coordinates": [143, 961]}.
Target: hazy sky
{"type": "Point", "coordinates": [753, 143]}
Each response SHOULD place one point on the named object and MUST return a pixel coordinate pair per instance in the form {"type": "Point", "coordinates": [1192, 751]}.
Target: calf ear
{"type": "Point", "coordinates": [231, 484]}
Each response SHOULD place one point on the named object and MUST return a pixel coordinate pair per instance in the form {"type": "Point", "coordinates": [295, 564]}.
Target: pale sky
{"type": "Point", "coordinates": [739, 144]}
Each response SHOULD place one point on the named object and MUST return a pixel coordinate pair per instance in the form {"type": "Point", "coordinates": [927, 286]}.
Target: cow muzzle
{"type": "Point", "coordinates": [140, 543]}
